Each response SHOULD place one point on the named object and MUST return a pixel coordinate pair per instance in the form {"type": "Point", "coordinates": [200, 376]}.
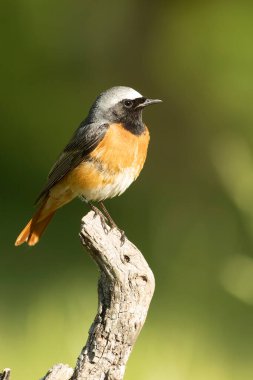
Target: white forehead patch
{"type": "Point", "coordinates": [114, 95]}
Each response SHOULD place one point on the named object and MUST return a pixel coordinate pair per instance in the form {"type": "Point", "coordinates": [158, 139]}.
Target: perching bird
{"type": "Point", "coordinates": [104, 156]}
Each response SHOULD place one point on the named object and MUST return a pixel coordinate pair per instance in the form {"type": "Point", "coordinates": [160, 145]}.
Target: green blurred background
{"type": "Point", "coordinates": [190, 212]}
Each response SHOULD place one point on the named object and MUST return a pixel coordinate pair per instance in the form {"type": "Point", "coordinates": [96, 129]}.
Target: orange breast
{"type": "Point", "coordinates": [121, 149]}
{"type": "Point", "coordinates": [112, 166]}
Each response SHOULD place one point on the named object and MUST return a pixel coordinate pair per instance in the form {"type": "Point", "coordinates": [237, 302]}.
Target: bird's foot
{"type": "Point", "coordinates": [113, 224]}
{"type": "Point", "coordinates": [103, 219]}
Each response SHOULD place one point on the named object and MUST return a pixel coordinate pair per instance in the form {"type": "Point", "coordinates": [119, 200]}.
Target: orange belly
{"type": "Point", "coordinates": [112, 166]}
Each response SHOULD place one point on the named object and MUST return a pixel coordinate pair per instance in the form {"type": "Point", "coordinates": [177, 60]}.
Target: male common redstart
{"type": "Point", "coordinates": [104, 156]}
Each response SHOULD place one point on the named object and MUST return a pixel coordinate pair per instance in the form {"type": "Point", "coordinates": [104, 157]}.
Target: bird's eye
{"type": "Point", "coordinates": [128, 103]}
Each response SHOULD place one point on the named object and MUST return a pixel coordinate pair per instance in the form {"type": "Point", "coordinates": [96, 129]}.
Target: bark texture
{"type": "Point", "coordinates": [125, 289]}
{"type": "Point", "coordinates": [5, 375]}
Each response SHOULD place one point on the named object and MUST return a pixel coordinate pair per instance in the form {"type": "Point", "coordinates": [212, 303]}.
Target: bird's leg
{"type": "Point", "coordinates": [112, 223]}
{"type": "Point", "coordinates": [102, 216]}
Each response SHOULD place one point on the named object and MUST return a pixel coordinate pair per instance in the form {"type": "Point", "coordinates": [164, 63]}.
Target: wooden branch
{"type": "Point", "coordinates": [5, 375]}
{"type": "Point", "coordinates": [125, 289]}
{"type": "Point", "coordinates": [59, 372]}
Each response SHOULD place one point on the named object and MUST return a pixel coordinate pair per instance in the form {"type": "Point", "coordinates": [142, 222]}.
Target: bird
{"type": "Point", "coordinates": [104, 156]}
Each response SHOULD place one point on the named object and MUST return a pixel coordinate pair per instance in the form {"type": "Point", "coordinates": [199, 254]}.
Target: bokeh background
{"type": "Point", "coordinates": [190, 212]}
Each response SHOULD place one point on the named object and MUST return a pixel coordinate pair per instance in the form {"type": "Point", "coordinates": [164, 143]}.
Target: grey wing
{"type": "Point", "coordinates": [85, 139]}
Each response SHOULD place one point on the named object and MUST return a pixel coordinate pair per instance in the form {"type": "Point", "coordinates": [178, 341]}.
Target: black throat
{"type": "Point", "coordinates": [133, 122]}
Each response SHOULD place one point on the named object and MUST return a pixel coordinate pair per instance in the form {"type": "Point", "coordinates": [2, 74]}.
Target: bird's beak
{"type": "Point", "coordinates": [147, 102]}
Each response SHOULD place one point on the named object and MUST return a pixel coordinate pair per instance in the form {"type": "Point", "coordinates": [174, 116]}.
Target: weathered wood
{"type": "Point", "coordinates": [59, 372]}
{"type": "Point", "coordinates": [125, 289]}
{"type": "Point", "coordinates": [5, 375]}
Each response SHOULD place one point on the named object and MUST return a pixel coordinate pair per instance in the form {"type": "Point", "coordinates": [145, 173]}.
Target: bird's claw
{"type": "Point", "coordinates": [103, 219]}
{"type": "Point", "coordinates": [103, 223]}
{"type": "Point", "coordinates": [107, 219]}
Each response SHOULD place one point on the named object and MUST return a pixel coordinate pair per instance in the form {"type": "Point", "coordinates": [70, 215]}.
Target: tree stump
{"type": "Point", "coordinates": [125, 289]}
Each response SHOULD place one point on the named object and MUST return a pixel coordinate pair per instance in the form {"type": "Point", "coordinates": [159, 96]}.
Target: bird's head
{"type": "Point", "coordinates": [119, 104]}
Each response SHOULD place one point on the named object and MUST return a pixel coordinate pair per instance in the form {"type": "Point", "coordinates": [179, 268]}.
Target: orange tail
{"type": "Point", "coordinates": [36, 226]}
{"type": "Point", "coordinates": [48, 206]}
{"type": "Point", "coordinates": [33, 230]}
